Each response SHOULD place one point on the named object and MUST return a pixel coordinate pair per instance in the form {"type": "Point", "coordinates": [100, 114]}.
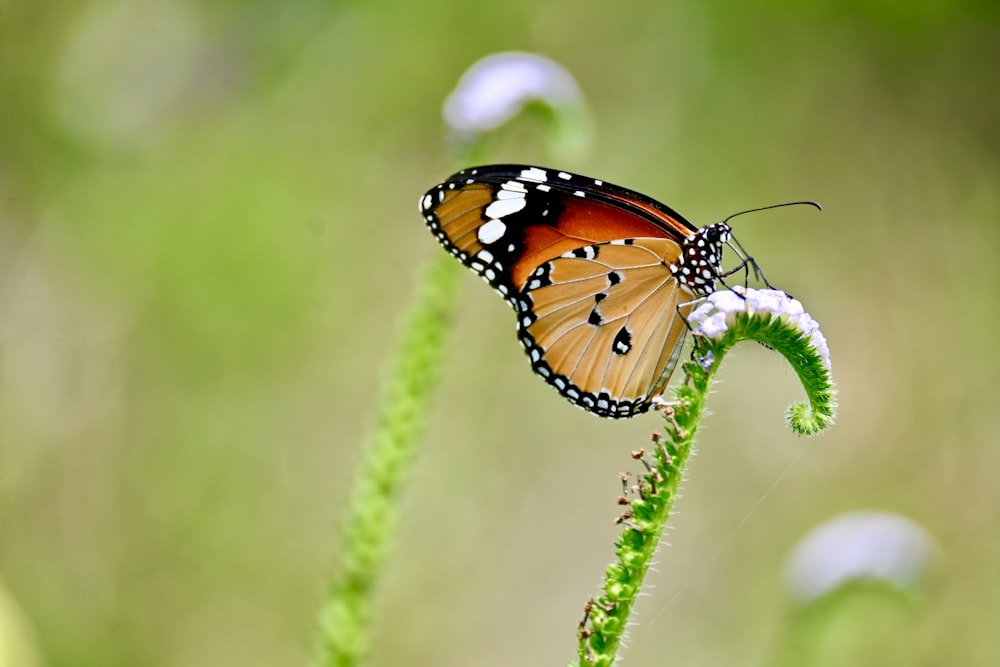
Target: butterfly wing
{"type": "Point", "coordinates": [604, 324]}
{"type": "Point", "coordinates": [503, 221]}
{"type": "Point", "coordinates": [601, 276]}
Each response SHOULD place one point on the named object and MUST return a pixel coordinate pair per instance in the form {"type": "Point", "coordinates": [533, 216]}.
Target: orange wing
{"type": "Point", "coordinates": [603, 324]}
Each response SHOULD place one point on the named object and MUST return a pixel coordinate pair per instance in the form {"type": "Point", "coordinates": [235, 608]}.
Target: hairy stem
{"type": "Point", "coordinates": [373, 512]}
{"type": "Point", "coordinates": [651, 499]}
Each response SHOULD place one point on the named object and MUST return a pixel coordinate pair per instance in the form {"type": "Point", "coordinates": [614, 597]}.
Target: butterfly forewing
{"type": "Point", "coordinates": [602, 325]}
{"type": "Point", "coordinates": [503, 221]}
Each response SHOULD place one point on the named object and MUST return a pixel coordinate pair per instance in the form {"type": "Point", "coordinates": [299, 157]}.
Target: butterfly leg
{"type": "Point", "coordinates": [746, 265]}
{"type": "Point", "coordinates": [688, 305]}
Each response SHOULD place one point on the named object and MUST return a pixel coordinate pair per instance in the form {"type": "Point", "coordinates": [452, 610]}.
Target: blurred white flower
{"type": "Point", "coordinates": [713, 317]}
{"type": "Point", "coordinates": [495, 89]}
{"type": "Point", "coordinates": [126, 68]}
{"type": "Point", "coordinates": [859, 546]}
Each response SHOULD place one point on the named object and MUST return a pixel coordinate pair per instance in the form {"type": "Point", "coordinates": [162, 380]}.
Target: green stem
{"type": "Point", "coordinates": [652, 498]}
{"type": "Point", "coordinates": [373, 511]}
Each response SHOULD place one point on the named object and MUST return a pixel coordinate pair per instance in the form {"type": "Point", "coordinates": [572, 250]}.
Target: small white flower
{"type": "Point", "coordinates": [714, 325]}
{"type": "Point", "coordinates": [496, 87]}
{"type": "Point", "coordinates": [793, 308]}
{"type": "Point", "coordinates": [716, 314]}
{"type": "Point", "coordinates": [727, 301]}
{"type": "Point", "coordinates": [766, 300]}
{"type": "Point", "coordinates": [862, 546]}
{"type": "Point", "coordinates": [703, 310]}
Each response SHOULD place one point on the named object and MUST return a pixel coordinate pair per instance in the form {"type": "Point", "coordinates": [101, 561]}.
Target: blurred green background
{"type": "Point", "coordinates": [208, 232]}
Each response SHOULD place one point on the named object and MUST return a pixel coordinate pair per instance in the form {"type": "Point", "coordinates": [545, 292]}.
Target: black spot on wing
{"type": "Point", "coordinates": [623, 341]}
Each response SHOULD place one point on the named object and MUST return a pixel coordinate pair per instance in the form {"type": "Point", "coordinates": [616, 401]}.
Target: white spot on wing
{"type": "Point", "coordinates": [503, 207]}
{"type": "Point", "coordinates": [563, 175]}
{"type": "Point", "coordinates": [491, 231]}
{"type": "Point", "coordinates": [534, 174]}
{"type": "Point", "coordinates": [514, 186]}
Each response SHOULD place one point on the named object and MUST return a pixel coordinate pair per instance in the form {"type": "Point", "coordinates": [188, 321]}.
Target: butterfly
{"type": "Point", "coordinates": [601, 277]}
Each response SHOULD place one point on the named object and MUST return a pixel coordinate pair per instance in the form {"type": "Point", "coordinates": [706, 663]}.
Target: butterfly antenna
{"type": "Point", "coordinates": [764, 208]}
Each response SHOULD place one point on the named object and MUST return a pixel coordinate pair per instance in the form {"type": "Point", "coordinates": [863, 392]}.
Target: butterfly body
{"type": "Point", "coordinates": [600, 276]}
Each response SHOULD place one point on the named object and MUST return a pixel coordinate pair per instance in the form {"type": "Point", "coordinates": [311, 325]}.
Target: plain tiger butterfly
{"type": "Point", "coordinates": [601, 277]}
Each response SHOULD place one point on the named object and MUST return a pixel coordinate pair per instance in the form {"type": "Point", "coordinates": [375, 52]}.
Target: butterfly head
{"type": "Point", "coordinates": [700, 263]}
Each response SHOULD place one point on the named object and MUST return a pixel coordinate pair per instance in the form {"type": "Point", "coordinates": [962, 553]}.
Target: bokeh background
{"type": "Point", "coordinates": [208, 234]}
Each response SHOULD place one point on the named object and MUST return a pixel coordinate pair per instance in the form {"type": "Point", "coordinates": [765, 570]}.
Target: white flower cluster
{"type": "Point", "coordinates": [715, 315]}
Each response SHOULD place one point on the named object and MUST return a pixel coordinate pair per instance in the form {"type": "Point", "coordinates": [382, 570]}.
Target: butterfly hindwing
{"type": "Point", "coordinates": [602, 324]}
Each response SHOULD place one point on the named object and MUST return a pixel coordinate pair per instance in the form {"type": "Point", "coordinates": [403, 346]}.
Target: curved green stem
{"type": "Point", "coordinates": [652, 497]}
{"type": "Point", "coordinates": [819, 410]}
